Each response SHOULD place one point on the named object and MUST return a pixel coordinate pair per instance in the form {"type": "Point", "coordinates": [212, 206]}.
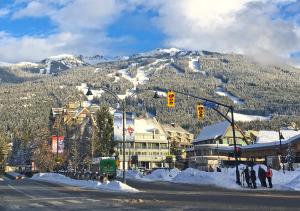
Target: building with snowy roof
{"type": "Point", "coordinates": [214, 145]}
{"type": "Point", "coordinates": [179, 139]}
{"type": "Point", "coordinates": [209, 143]}
{"type": "Point", "coordinates": [149, 148]}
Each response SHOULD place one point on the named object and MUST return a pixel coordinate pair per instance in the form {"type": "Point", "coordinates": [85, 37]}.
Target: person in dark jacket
{"type": "Point", "coordinates": [253, 177]}
{"type": "Point", "coordinates": [262, 176]}
{"type": "Point", "coordinates": [247, 176]}
{"type": "Point", "coordinates": [269, 175]}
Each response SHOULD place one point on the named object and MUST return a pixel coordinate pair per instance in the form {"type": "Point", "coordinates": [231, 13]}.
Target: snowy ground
{"type": "Point", "coordinates": [249, 118]}
{"type": "Point", "coordinates": [114, 186]}
{"type": "Point", "coordinates": [236, 100]}
{"type": "Point", "coordinates": [225, 179]}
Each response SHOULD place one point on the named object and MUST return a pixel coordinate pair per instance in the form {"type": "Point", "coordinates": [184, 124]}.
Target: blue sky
{"type": "Point", "coordinates": [34, 29]}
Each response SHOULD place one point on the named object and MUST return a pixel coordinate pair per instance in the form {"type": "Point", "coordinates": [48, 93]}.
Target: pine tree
{"type": "Point", "coordinates": [290, 157]}
{"type": "Point", "coordinates": [4, 150]}
{"type": "Point", "coordinates": [104, 137]}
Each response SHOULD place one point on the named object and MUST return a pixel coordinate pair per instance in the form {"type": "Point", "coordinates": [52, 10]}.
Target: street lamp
{"type": "Point", "coordinates": [281, 157]}
{"type": "Point", "coordinates": [123, 103]}
{"type": "Point", "coordinates": [89, 92]}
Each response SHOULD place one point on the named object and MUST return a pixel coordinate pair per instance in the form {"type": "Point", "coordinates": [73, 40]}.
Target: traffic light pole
{"type": "Point", "coordinates": [230, 120]}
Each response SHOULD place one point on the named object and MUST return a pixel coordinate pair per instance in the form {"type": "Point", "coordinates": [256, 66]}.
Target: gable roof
{"type": "Point", "coordinates": [175, 128]}
{"type": "Point", "coordinates": [212, 131]}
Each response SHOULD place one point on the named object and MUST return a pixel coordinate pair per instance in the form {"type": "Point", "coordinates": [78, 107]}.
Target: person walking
{"type": "Point", "coordinates": [269, 175]}
{"type": "Point", "coordinates": [253, 177]}
{"type": "Point", "coordinates": [247, 176]}
{"type": "Point", "coordinates": [262, 176]}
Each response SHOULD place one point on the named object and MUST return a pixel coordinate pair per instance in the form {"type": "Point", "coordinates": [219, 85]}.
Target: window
{"type": "Point", "coordinates": [153, 145]}
{"type": "Point", "coordinates": [141, 145]}
{"type": "Point", "coordinates": [164, 146]}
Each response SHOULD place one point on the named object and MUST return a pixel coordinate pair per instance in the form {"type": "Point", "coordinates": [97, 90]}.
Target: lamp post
{"type": "Point", "coordinates": [280, 149]}
{"type": "Point", "coordinates": [123, 103]}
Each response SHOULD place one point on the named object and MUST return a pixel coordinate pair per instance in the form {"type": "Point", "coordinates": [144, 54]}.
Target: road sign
{"type": "Point", "coordinates": [171, 99]}
{"type": "Point", "coordinates": [210, 105]}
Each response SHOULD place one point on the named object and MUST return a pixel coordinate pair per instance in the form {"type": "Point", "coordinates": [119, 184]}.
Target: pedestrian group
{"type": "Point", "coordinates": [250, 177]}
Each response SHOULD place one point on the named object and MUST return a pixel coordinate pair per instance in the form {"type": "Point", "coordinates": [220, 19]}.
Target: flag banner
{"type": "Point", "coordinates": [60, 147]}
{"type": "Point", "coordinates": [129, 126]}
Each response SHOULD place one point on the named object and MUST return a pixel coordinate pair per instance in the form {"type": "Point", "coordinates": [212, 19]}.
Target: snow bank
{"type": "Point", "coordinates": [162, 175]}
{"type": "Point", "coordinates": [195, 176]}
{"type": "Point", "coordinates": [225, 179]}
{"type": "Point", "coordinates": [114, 186]}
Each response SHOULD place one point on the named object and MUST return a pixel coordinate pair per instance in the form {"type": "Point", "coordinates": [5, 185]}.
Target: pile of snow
{"type": "Point", "coordinates": [131, 174]}
{"type": "Point", "coordinates": [249, 118]}
{"type": "Point", "coordinates": [162, 175]}
{"type": "Point", "coordinates": [195, 176]}
{"type": "Point", "coordinates": [115, 186]}
{"type": "Point", "coordinates": [225, 179]}
{"type": "Point", "coordinates": [1, 179]}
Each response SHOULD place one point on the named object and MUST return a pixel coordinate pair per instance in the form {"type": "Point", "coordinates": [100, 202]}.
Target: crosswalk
{"type": "Point", "coordinates": [52, 202]}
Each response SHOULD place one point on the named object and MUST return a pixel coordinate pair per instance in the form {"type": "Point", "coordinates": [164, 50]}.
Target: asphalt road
{"type": "Point", "coordinates": [27, 194]}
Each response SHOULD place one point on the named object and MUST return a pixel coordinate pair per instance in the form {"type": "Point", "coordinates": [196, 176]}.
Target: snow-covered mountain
{"type": "Point", "coordinates": [50, 65]}
{"type": "Point", "coordinates": [56, 64]}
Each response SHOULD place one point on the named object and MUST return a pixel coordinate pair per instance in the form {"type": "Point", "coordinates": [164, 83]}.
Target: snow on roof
{"type": "Point", "coordinates": [175, 128]}
{"type": "Point", "coordinates": [212, 131]}
{"type": "Point", "coordinates": [146, 125]}
{"type": "Point", "coordinates": [265, 136]}
{"type": "Point", "coordinates": [273, 143]}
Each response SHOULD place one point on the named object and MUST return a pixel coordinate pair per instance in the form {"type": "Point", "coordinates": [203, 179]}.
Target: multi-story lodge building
{"type": "Point", "coordinates": [179, 139]}
{"type": "Point", "coordinates": [149, 148]}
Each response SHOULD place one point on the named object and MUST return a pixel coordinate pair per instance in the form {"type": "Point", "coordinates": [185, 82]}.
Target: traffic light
{"type": "Point", "coordinates": [200, 111]}
{"type": "Point", "coordinates": [171, 99]}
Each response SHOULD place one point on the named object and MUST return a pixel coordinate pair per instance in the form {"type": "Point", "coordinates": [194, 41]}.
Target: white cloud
{"type": "Point", "coordinates": [241, 26]}
{"type": "Point", "coordinates": [81, 29]}
{"type": "Point", "coordinates": [4, 12]}
{"type": "Point", "coordinates": [33, 9]}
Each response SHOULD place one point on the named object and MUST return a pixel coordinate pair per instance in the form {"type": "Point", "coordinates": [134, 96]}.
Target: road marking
{"type": "Point", "coordinates": [36, 205]}
{"type": "Point", "coordinates": [55, 202]}
{"type": "Point", "coordinates": [19, 191]}
{"type": "Point", "coordinates": [93, 200]}
{"type": "Point", "coordinates": [74, 201]}
{"type": "Point", "coordinates": [15, 207]}
{"type": "Point", "coordinates": [46, 198]}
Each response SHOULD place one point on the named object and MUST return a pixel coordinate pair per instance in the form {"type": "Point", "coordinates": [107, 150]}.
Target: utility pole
{"type": "Point", "coordinates": [238, 181]}
{"type": "Point", "coordinates": [280, 149]}
{"type": "Point", "coordinates": [124, 139]}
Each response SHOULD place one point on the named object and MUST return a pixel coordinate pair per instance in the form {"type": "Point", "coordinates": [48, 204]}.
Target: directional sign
{"type": "Point", "coordinates": [210, 105]}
